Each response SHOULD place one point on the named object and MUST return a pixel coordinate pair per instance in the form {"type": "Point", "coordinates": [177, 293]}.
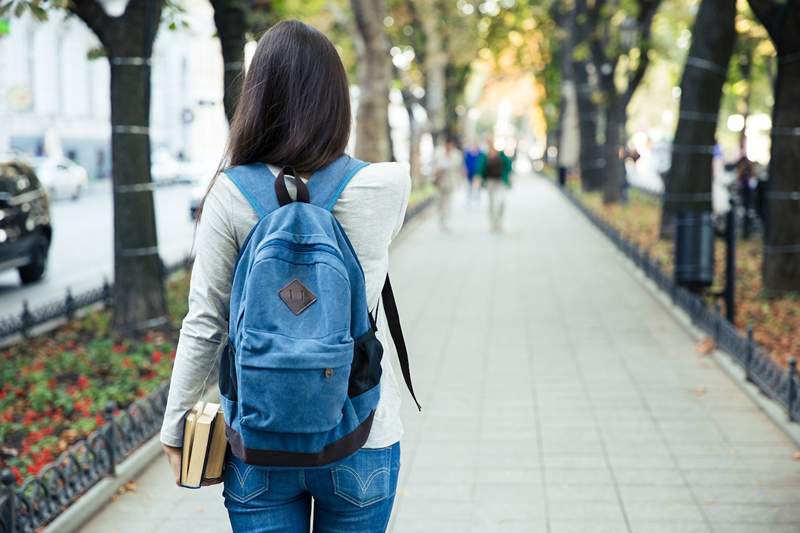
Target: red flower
{"type": "Point", "coordinates": [30, 416]}
{"type": "Point", "coordinates": [17, 474]}
{"type": "Point", "coordinates": [38, 365]}
{"type": "Point", "coordinates": [2, 395]}
{"type": "Point", "coordinates": [118, 348]}
{"type": "Point", "coordinates": [156, 357]}
{"type": "Point", "coordinates": [127, 363]}
{"type": "Point", "coordinates": [52, 383]}
{"type": "Point", "coordinates": [72, 390]}
{"type": "Point", "coordinates": [99, 420]}
{"type": "Point", "coordinates": [83, 383]}
{"type": "Point", "coordinates": [8, 415]}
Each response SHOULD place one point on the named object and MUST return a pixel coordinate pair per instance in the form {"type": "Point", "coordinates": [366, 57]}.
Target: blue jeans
{"type": "Point", "coordinates": [352, 496]}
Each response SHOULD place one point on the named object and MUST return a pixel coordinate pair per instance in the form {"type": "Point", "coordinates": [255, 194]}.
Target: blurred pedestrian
{"type": "Point", "coordinates": [448, 168]}
{"type": "Point", "coordinates": [496, 172]}
{"type": "Point", "coordinates": [473, 157]}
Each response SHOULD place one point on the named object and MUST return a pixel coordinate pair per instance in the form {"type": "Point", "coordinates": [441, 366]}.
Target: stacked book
{"type": "Point", "coordinates": [204, 444]}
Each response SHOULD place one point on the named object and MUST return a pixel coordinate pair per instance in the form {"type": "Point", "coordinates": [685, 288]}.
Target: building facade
{"type": "Point", "coordinates": [54, 90]}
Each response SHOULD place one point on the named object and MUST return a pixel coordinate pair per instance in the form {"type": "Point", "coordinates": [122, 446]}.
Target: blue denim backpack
{"type": "Point", "coordinates": [300, 377]}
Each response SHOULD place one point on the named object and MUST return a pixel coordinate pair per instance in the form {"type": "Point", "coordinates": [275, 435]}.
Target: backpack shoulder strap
{"type": "Point", "coordinates": [327, 183]}
{"type": "Point", "coordinates": [256, 183]}
{"type": "Point", "coordinates": [393, 321]}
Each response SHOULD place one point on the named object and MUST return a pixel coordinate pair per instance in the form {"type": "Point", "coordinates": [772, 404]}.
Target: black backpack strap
{"type": "Point", "coordinates": [393, 320]}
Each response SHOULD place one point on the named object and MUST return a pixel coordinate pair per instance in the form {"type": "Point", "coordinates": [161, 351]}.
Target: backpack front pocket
{"type": "Point", "coordinates": [300, 392]}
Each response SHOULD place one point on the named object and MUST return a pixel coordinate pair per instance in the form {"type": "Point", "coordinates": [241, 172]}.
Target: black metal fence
{"type": "Point", "coordinates": [780, 384]}
{"type": "Point", "coordinates": [27, 319]}
{"type": "Point", "coordinates": [41, 498]}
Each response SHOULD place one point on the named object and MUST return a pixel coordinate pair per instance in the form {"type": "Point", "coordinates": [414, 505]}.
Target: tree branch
{"type": "Point", "coordinates": [92, 13]}
{"type": "Point", "coordinates": [768, 13]}
{"type": "Point", "coordinates": [645, 23]}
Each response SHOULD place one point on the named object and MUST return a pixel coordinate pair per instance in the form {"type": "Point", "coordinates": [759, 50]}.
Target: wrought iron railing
{"type": "Point", "coordinates": [42, 497]}
{"type": "Point", "coordinates": [778, 383]}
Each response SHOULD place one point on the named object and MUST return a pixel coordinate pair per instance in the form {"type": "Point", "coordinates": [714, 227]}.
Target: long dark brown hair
{"type": "Point", "coordinates": [294, 107]}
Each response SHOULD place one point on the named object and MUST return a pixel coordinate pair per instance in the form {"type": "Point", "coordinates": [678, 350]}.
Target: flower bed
{"type": "Point", "coordinates": [775, 321]}
{"type": "Point", "coordinates": [56, 387]}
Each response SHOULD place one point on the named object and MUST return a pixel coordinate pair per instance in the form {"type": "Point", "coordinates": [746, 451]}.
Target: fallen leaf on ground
{"type": "Point", "coordinates": [699, 391]}
{"type": "Point", "coordinates": [706, 346]}
{"type": "Point", "coordinates": [796, 456]}
{"type": "Point", "coordinates": [130, 486]}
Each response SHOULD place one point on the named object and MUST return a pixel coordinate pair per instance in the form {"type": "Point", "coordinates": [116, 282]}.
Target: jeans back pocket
{"type": "Point", "coordinates": [364, 478]}
{"type": "Point", "coordinates": [244, 482]}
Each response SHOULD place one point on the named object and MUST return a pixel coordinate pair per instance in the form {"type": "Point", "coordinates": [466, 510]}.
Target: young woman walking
{"type": "Point", "coordinates": [294, 112]}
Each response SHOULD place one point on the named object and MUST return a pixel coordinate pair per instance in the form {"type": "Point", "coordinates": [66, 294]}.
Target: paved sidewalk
{"type": "Point", "coordinates": [558, 394]}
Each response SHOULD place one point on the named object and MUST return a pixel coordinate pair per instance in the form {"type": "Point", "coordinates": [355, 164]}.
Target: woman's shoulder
{"type": "Point", "coordinates": [387, 176]}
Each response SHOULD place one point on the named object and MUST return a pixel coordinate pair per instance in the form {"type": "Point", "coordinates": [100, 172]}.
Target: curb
{"type": "Point", "coordinates": [722, 359]}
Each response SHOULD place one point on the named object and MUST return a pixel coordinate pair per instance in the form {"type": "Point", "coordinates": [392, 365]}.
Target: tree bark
{"type": "Point", "coordinates": [689, 181]}
{"type": "Point", "coordinates": [128, 41]}
{"type": "Point", "coordinates": [616, 118]}
{"type": "Point", "coordinates": [435, 65]}
{"type": "Point", "coordinates": [781, 267]}
{"type": "Point", "coordinates": [456, 80]}
{"type": "Point", "coordinates": [374, 68]}
{"type": "Point", "coordinates": [592, 160]}
{"type": "Point", "coordinates": [230, 20]}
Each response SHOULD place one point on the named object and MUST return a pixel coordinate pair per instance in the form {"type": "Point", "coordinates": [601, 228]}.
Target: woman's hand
{"type": "Point", "coordinates": [174, 459]}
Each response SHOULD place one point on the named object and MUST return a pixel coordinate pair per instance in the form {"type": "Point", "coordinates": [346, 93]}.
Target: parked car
{"type": "Point", "coordinates": [164, 169]}
{"type": "Point", "coordinates": [61, 177]}
{"type": "Point", "coordinates": [25, 228]}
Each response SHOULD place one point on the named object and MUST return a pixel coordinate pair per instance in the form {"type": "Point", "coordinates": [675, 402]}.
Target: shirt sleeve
{"type": "Point", "coordinates": [204, 330]}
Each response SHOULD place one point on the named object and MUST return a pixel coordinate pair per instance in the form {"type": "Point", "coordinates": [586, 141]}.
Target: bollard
{"type": "Point", "coordinates": [106, 293]}
{"type": "Point", "coordinates": [110, 437]}
{"type": "Point", "coordinates": [792, 392]}
{"type": "Point", "coordinates": [69, 305]}
{"type": "Point", "coordinates": [748, 358]}
{"type": "Point", "coordinates": [8, 501]}
{"type": "Point", "coordinates": [27, 319]}
{"type": "Point", "coordinates": [717, 322]}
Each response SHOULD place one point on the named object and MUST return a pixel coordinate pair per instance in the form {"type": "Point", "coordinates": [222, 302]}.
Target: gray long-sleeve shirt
{"type": "Point", "coordinates": [371, 211]}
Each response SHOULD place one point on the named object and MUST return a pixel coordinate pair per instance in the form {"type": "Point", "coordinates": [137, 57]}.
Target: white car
{"type": "Point", "coordinates": [61, 177]}
{"type": "Point", "coordinates": [164, 168]}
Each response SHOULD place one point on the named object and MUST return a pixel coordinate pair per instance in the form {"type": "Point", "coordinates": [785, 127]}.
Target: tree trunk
{"type": "Point", "coordinates": [435, 65]}
{"type": "Point", "coordinates": [374, 68]}
{"type": "Point", "coordinates": [616, 118]}
{"type": "Point", "coordinates": [592, 160]}
{"type": "Point", "coordinates": [230, 21]}
{"type": "Point", "coordinates": [689, 181]}
{"type": "Point", "coordinates": [781, 270]}
{"type": "Point", "coordinates": [456, 80]}
{"type": "Point", "coordinates": [128, 40]}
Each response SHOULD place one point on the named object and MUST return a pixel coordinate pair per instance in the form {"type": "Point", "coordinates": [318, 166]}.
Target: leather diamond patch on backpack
{"type": "Point", "coordinates": [297, 296]}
